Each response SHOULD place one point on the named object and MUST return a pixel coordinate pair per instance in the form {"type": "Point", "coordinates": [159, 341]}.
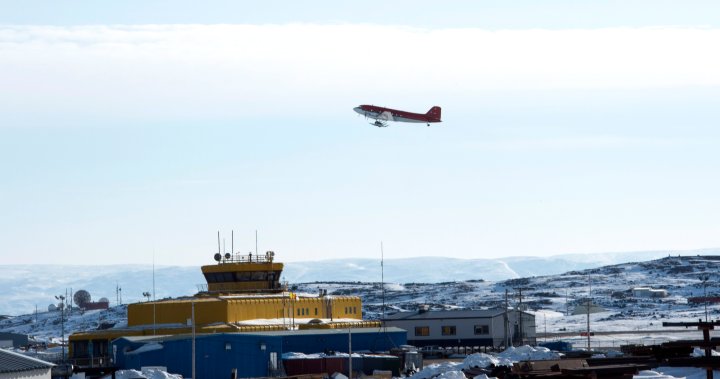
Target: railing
{"type": "Point", "coordinates": [92, 362]}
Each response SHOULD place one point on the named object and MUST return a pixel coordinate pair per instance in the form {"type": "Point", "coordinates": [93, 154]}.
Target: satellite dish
{"type": "Point", "coordinates": [218, 257]}
{"type": "Point", "coordinates": [227, 255]}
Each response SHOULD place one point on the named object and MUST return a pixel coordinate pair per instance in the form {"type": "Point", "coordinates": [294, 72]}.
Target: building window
{"type": "Point", "coordinates": [422, 331]}
{"type": "Point", "coordinates": [355, 310]}
{"type": "Point", "coordinates": [448, 330]}
{"type": "Point", "coordinates": [482, 329]}
{"type": "Point", "coordinates": [315, 311]}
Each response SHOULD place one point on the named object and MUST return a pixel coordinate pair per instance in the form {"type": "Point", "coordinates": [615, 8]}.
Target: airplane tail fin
{"type": "Point", "coordinates": [434, 113]}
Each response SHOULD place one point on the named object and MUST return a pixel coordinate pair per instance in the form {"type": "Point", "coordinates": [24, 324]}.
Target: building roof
{"type": "Point", "coordinates": [11, 361]}
{"type": "Point", "coordinates": [278, 333]}
{"type": "Point", "coordinates": [453, 314]}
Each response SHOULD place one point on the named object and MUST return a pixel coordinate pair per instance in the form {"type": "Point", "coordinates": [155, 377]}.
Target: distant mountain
{"type": "Point", "coordinates": [29, 286]}
{"type": "Point", "coordinates": [425, 269]}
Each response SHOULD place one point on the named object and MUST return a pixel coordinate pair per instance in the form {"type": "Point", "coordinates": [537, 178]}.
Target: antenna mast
{"type": "Point", "coordinates": [153, 277]}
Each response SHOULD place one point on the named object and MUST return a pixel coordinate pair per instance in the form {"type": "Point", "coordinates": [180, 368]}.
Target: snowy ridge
{"type": "Point", "coordinates": [552, 298]}
{"type": "Point", "coordinates": [37, 285]}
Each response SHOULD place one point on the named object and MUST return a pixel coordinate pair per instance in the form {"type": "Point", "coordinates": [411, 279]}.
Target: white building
{"type": "Point", "coordinates": [648, 292]}
{"type": "Point", "coordinates": [465, 327]}
{"type": "Point", "coordinates": [15, 365]}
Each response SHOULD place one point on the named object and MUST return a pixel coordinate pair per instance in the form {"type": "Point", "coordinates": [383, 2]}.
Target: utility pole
{"type": "Point", "coordinates": [350, 353]}
{"type": "Point", "coordinates": [704, 278]}
{"type": "Point", "coordinates": [589, 302]}
{"type": "Point", "coordinates": [62, 323]}
{"type": "Point", "coordinates": [519, 315]}
{"type": "Point", "coordinates": [520, 319]}
{"type": "Point", "coordinates": [192, 317]}
{"type": "Point", "coordinates": [506, 321]}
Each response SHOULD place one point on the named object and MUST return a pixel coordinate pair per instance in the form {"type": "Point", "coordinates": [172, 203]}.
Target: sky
{"type": "Point", "coordinates": [133, 132]}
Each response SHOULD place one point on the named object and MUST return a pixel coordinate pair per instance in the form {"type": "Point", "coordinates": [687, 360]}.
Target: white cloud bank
{"type": "Point", "coordinates": [232, 70]}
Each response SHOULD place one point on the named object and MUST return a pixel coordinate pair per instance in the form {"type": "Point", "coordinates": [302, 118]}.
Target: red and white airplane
{"type": "Point", "coordinates": [383, 115]}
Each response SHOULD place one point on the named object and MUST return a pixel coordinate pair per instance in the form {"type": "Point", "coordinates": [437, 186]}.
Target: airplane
{"type": "Point", "coordinates": [383, 115]}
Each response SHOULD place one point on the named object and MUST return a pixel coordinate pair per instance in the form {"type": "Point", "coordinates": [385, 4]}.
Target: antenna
{"type": "Point", "coordinates": [218, 242]}
{"type": "Point", "coordinates": [153, 294]}
{"type": "Point", "coordinates": [232, 241]}
{"type": "Point", "coordinates": [256, 249]}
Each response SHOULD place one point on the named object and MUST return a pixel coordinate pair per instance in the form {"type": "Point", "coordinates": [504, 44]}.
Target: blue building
{"type": "Point", "coordinates": [250, 354]}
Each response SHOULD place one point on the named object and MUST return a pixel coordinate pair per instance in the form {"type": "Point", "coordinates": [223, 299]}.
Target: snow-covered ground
{"type": "Point", "coordinates": [625, 319]}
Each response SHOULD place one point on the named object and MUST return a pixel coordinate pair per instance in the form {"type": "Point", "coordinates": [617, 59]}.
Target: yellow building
{"type": "Point", "coordinates": [243, 294]}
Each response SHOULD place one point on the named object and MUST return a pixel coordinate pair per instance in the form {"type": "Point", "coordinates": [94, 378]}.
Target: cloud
{"type": "Point", "coordinates": [600, 142]}
{"type": "Point", "coordinates": [230, 71]}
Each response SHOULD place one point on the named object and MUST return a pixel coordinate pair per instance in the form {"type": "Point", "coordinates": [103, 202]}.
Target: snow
{"type": "Point", "coordinates": [173, 281]}
{"type": "Point", "coordinates": [436, 369]}
{"type": "Point", "coordinates": [480, 360]}
{"type": "Point", "coordinates": [145, 348]}
{"type": "Point", "coordinates": [697, 352]}
{"type": "Point", "coordinates": [150, 373]}
{"type": "Point", "coordinates": [649, 374]}
{"type": "Point", "coordinates": [453, 370]}
{"type": "Point", "coordinates": [526, 353]}
{"type": "Point", "coordinates": [452, 375]}
{"type": "Point", "coordinates": [678, 372]}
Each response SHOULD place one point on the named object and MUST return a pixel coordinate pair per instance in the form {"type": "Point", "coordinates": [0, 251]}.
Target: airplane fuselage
{"type": "Point", "coordinates": [388, 114]}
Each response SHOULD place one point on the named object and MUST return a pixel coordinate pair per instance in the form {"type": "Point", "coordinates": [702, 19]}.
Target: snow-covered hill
{"type": "Point", "coordinates": [551, 297]}
{"type": "Point", "coordinates": [29, 286]}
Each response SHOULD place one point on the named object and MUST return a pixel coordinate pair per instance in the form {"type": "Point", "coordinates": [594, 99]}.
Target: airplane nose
{"type": "Point", "coordinates": [358, 110]}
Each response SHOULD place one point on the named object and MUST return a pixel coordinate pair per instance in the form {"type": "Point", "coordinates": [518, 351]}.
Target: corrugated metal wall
{"type": "Point", "coordinates": [217, 354]}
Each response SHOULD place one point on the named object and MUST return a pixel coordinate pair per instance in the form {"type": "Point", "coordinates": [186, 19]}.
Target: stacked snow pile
{"type": "Point", "coordinates": [438, 369]}
{"type": "Point", "coordinates": [526, 353]}
{"type": "Point", "coordinates": [453, 370]}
